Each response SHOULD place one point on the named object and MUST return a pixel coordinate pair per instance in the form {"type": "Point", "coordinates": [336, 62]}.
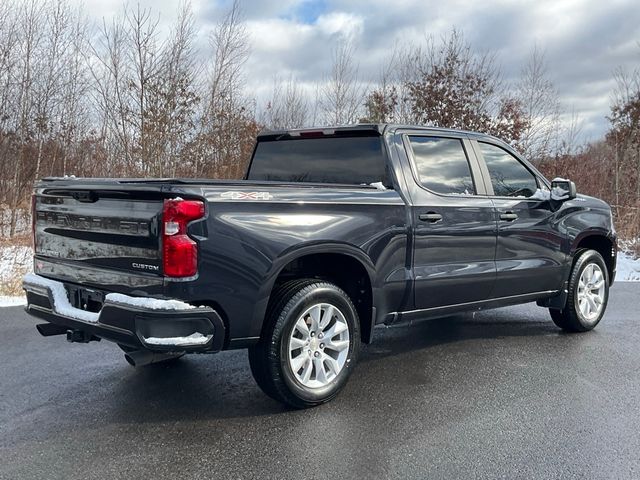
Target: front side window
{"type": "Point", "coordinates": [509, 177]}
{"type": "Point", "coordinates": [442, 165]}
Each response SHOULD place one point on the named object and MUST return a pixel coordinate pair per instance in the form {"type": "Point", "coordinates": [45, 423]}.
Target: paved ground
{"type": "Point", "coordinates": [504, 394]}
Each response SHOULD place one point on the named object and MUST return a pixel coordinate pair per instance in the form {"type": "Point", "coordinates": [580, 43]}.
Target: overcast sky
{"type": "Point", "coordinates": [584, 41]}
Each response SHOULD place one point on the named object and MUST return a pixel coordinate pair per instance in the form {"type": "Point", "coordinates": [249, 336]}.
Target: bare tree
{"type": "Point", "coordinates": [567, 138]}
{"type": "Point", "coordinates": [172, 97]}
{"type": "Point", "coordinates": [391, 98]}
{"type": "Point", "coordinates": [40, 78]}
{"type": "Point", "coordinates": [144, 60]}
{"type": "Point", "coordinates": [381, 103]}
{"type": "Point", "coordinates": [624, 135]}
{"type": "Point", "coordinates": [228, 127]}
{"type": "Point", "coordinates": [456, 88]}
{"type": "Point", "coordinates": [109, 70]}
{"type": "Point", "coordinates": [145, 90]}
{"type": "Point", "coordinates": [341, 97]}
{"type": "Point", "coordinates": [539, 99]}
{"type": "Point", "coordinates": [31, 20]}
{"type": "Point", "coordinates": [288, 106]}
{"type": "Point", "coordinates": [74, 112]}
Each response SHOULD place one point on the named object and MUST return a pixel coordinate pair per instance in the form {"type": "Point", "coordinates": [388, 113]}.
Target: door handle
{"type": "Point", "coordinates": [431, 217]}
{"type": "Point", "coordinates": [508, 216]}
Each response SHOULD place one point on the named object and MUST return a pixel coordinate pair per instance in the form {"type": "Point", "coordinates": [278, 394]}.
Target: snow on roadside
{"type": "Point", "coordinates": [628, 269]}
{"type": "Point", "coordinates": [12, 301]}
{"type": "Point", "coordinates": [15, 262]}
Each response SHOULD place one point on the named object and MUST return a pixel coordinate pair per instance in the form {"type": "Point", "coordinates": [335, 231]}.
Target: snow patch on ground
{"type": "Point", "coordinates": [12, 301]}
{"type": "Point", "coordinates": [15, 261]}
{"type": "Point", "coordinates": [628, 269]}
{"type": "Point", "coordinates": [14, 257]}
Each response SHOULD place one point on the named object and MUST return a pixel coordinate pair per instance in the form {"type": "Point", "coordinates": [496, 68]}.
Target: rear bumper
{"type": "Point", "coordinates": [152, 324]}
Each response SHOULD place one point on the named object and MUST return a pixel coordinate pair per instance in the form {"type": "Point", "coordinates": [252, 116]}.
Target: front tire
{"type": "Point", "coordinates": [588, 294]}
{"type": "Point", "coordinates": [310, 343]}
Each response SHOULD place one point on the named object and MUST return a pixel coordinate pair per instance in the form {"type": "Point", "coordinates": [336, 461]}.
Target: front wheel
{"type": "Point", "coordinates": [588, 294]}
{"type": "Point", "coordinates": [310, 343]}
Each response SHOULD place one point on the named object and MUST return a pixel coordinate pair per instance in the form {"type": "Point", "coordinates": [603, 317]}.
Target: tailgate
{"type": "Point", "coordinates": [94, 229]}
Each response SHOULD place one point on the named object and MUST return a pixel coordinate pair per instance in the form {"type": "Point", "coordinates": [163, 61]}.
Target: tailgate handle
{"type": "Point", "coordinates": [85, 196]}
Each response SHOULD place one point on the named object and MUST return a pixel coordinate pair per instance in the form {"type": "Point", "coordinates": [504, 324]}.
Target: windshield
{"type": "Point", "coordinates": [347, 160]}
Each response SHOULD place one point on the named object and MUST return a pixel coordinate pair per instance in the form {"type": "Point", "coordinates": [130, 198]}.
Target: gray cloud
{"type": "Point", "coordinates": [584, 40]}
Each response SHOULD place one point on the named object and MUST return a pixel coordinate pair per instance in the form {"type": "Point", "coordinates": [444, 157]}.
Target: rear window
{"type": "Point", "coordinates": [348, 160]}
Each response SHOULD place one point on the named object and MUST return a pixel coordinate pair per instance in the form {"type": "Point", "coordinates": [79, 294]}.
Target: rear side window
{"type": "Point", "coordinates": [509, 177]}
{"type": "Point", "coordinates": [442, 165]}
{"type": "Point", "coordinates": [348, 160]}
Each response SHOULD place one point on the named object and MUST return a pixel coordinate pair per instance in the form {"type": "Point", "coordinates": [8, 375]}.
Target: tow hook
{"type": "Point", "coordinates": [80, 336]}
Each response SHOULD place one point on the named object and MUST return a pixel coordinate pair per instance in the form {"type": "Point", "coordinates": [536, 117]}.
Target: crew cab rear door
{"type": "Point", "coordinates": [454, 227]}
{"type": "Point", "coordinates": [529, 256]}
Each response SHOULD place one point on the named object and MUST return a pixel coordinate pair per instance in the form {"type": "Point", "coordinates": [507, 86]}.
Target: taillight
{"type": "Point", "coordinates": [179, 252]}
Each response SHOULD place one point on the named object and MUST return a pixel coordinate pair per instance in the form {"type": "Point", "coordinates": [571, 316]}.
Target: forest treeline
{"type": "Point", "coordinates": [125, 98]}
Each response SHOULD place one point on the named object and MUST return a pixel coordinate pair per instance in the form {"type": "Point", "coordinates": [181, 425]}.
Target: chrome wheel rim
{"type": "Point", "coordinates": [591, 287]}
{"type": "Point", "coordinates": [319, 345]}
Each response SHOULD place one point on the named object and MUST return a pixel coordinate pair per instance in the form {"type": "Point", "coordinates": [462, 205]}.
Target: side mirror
{"type": "Point", "coordinates": [563, 189]}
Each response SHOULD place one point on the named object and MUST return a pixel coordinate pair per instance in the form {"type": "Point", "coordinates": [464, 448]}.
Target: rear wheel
{"type": "Point", "coordinates": [310, 344]}
{"type": "Point", "coordinates": [588, 294]}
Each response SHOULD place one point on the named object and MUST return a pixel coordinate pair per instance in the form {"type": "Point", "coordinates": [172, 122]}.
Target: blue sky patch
{"type": "Point", "coordinates": [308, 11]}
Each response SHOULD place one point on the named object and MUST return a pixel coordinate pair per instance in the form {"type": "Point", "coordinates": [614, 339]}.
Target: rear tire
{"type": "Point", "coordinates": [588, 294]}
{"type": "Point", "coordinates": [309, 345]}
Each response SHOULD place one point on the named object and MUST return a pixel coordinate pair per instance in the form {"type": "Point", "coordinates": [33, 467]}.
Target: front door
{"type": "Point", "coordinates": [529, 257]}
{"type": "Point", "coordinates": [454, 224]}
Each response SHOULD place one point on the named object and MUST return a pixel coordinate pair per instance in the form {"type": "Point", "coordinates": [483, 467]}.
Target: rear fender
{"type": "Point", "coordinates": [300, 251]}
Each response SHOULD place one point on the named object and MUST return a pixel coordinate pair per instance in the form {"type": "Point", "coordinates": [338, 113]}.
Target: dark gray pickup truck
{"type": "Point", "coordinates": [332, 232]}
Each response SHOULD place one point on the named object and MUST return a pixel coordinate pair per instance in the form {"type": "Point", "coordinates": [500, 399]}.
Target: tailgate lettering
{"type": "Point", "coordinates": [79, 222]}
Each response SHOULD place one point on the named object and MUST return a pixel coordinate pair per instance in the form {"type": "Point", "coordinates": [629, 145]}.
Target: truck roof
{"type": "Point", "coordinates": [358, 129]}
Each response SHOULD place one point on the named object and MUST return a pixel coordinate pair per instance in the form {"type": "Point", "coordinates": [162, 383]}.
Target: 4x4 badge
{"type": "Point", "coordinates": [247, 195]}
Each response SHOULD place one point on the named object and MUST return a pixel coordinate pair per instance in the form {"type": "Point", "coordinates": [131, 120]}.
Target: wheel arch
{"type": "Point", "coordinates": [319, 260]}
{"type": "Point", "coordinates": [601, 242]}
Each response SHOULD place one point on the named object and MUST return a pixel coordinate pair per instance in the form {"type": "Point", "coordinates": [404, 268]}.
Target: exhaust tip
{"type": "Point", "coordinates": [129, 360]}
{"type": "Point", "coordinates": [139, 358]}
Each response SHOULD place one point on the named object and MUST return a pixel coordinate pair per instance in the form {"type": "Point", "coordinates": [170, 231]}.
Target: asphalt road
{"type": "Point", "coordinates": [502, 394]}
